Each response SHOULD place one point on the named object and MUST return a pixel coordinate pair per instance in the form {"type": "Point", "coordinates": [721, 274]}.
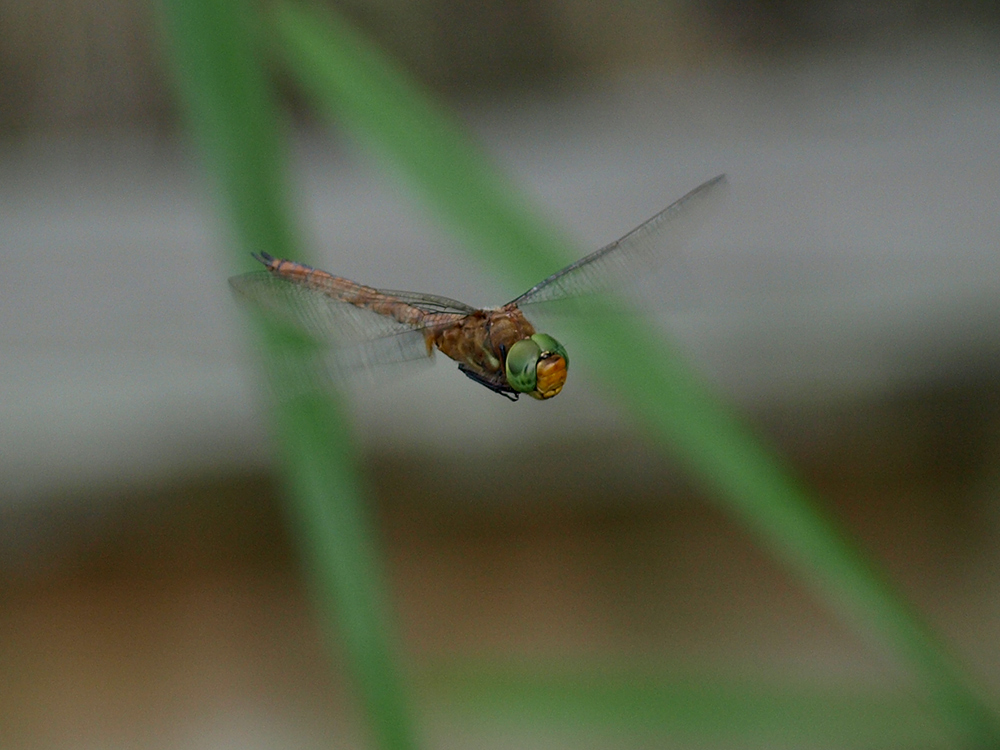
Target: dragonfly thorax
{"type": "Point", "coordinates": [500, 349]}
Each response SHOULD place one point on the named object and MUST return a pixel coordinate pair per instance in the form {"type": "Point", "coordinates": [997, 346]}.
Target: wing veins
{"type": "Point", "coordinates": [591, 273]}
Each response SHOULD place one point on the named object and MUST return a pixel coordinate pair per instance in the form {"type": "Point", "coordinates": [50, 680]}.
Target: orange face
{"type": "Point", "coordinates": [551, 374]}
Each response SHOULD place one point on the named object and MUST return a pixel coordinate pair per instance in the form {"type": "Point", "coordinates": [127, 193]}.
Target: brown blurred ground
{"type": "Point", "coordinates": [177, 613]}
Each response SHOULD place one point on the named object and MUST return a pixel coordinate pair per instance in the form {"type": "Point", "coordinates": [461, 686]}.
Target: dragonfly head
{"type": "Point", "coordinates": [537, 366]}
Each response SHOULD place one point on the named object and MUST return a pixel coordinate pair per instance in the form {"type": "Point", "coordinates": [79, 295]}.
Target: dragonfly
{"type": "Point", "coordinates": [497, 347]}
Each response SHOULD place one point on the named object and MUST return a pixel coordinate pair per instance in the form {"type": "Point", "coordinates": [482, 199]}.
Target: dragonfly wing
{"type": "Point", "coordinates": [296, 371]}
{"type": "Point", "coordinates": [308, 311]}
{"type": "Point", "coordinates": [328, 320]}
{"type": "Point", "coordinates": [366, 356]}
{"type": "Point", "coordinates": [429, 302]}
{"type": "Point", "coordinates": [357, 337]}
{"type": "Point", "coordinates": [638, 252]}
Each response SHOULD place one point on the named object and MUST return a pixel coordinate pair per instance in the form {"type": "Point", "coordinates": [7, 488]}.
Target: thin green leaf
{"type": "Point", "coordinates": [215, 53]}
{"type": "Point", "coordinates": [626, 701]}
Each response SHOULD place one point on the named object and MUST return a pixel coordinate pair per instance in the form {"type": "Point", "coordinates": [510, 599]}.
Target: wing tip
{"type": "Point", "coordinates": [714, 188]}
{"type": "Point", "coordinates": [718, 180]}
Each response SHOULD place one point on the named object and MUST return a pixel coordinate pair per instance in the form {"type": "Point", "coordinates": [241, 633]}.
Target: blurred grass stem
{"type": "Point", "coordinates": [215, 47]}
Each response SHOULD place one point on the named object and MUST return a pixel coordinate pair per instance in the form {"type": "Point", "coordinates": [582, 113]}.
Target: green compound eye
{"type": "Point", "coordinates": [550, 346]}
{"type": "Point", "coordinates": [521, 361]}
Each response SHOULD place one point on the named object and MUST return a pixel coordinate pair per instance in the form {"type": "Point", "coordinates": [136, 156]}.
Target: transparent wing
{"type": "Point", "coordinates": [302, 370]}
{"type": "Point", "coordinates": [638, 252]}
{"type": "Point", "coordinates": [328, 320]}
{"type": "Point", "coordinates": [367, 356]}
{"type": "Point", "coordinates": [358, 338]}
{"type": "Point", "coordinates": [429, 302]}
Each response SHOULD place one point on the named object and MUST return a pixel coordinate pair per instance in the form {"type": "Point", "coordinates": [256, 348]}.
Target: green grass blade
{"type": "Point", "coordinates": [215, 54]}
{"type": "Point", "coordinates": [718, 710]}
{"type": "Point", "coordinates": [366, 93]}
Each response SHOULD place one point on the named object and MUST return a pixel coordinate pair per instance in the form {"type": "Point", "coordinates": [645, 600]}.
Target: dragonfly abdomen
{"type": "Point", "coordinates": [346, 290]}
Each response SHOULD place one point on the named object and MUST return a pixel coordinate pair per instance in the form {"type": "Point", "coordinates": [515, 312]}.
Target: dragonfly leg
{"type": "Point", "coordinates": [502, 388]}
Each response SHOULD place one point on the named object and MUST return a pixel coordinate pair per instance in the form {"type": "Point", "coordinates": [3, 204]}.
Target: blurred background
{"type": "Point", "coordinates": [846, 302]}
